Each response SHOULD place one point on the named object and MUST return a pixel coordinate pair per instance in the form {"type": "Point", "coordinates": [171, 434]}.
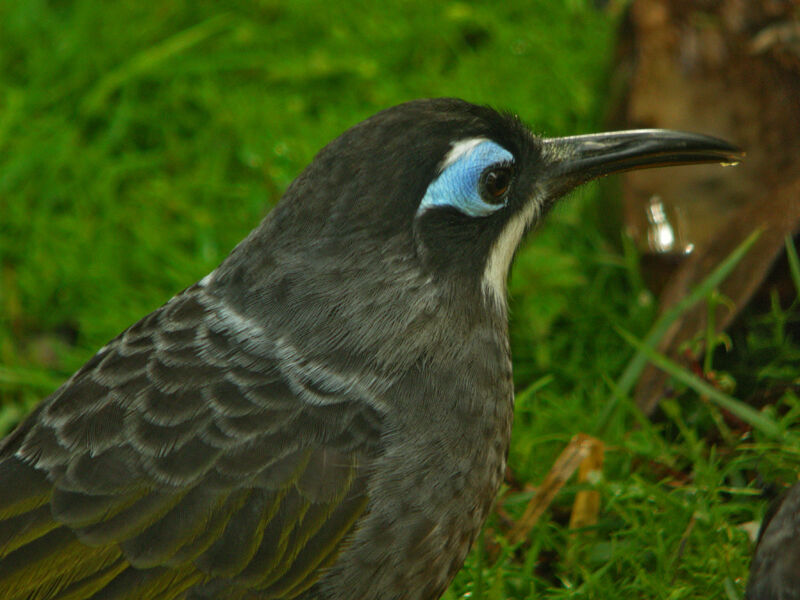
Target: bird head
{"type": "Point", "coordinates": [424, 201]}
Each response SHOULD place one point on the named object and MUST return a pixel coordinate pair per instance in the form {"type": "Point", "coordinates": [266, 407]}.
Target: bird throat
{"type": "Point", "coordinates": [501, 255]}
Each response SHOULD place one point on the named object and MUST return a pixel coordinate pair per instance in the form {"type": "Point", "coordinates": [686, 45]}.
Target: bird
{"type": "Point", "coordinates": [775, 568]}
{"type": "Point", "coordinates": [326, 414]}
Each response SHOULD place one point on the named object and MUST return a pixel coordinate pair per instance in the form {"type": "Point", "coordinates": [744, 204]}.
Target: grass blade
{"type": "Point", "coordinates": [150, 58]}
{"type": "Point", "coordinates": [743, 411]}
{"type": "Point", "coordinates": [637, 364]}
{"type": "Point", "coordinates": [794, 263]}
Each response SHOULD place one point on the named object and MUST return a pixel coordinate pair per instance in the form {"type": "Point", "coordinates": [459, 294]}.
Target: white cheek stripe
{"type": "Point", "coordinates": [495, 274]}
{"type": "Point", "coordinates": [459, 149]}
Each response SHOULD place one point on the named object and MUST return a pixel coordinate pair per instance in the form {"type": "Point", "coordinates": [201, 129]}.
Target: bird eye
{"type": "Point", "coordinates": [495, 182]}
{"type": "Point", "coordinates": [474, 179]}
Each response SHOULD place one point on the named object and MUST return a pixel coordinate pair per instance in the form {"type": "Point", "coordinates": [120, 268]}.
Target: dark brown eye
{"type": "Point", "coordinates": [495, 183]}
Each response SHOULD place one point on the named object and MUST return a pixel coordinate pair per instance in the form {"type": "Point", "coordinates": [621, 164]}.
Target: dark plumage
{"type": "Point", "coordinates": [775, 570]}
{"type": "Point", "coordinates": [327, 414]}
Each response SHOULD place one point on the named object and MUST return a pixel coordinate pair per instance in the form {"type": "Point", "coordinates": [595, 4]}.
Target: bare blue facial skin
{"type": "Point", "coordinates": [458, 184]}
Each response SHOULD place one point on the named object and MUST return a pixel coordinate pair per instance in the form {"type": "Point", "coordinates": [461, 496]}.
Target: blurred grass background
{"type": "Point", "coordinates": [139, 142]}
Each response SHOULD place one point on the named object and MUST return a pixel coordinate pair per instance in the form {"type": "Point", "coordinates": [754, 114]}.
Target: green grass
{"type": "Point", "coordinates": [140, 142]}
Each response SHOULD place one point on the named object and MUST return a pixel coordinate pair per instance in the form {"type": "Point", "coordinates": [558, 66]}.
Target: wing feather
{"type": "Point", "coordinates": [193, 454]}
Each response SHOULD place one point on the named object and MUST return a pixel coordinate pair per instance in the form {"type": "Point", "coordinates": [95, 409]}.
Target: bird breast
{"type": "Point", "coordinates": [444, 460]}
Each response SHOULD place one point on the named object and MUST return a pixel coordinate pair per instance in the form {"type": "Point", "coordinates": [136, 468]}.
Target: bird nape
{"type": "Point", "coordinates": [327, 414]}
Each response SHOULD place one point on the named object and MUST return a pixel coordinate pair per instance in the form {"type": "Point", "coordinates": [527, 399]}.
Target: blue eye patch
{"type": "Point", "coordinates": [458, 182]}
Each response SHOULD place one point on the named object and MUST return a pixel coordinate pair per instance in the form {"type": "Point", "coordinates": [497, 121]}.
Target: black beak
{"type": "Point", "coordinates": [576, 159]}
